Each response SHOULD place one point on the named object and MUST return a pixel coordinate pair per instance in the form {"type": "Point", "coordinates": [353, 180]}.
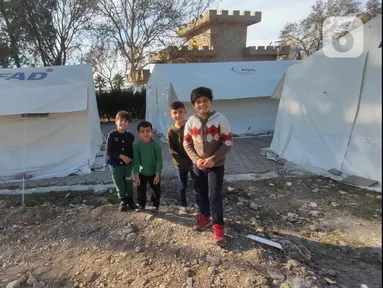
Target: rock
{"type": "Point", "coordinates": [314, 213]}
{"type": "Point", "coordinates": [194, 262]}
{"type": "Point", "coordinates": [126, 230]}
{"type": "Point", "coordinates": [230, 189]}
{"type": "Point", "coordinates": [253, 280]}
{"type": "Point", "coordinates": [284, 285]}
{"type": "Point", "coordinates": [254, 206]}
{"type": "Point", "coordinates": [131, 237]}
{"type": "Point", "coordinates": [162, 286]}
{"type": "Point", "coordinates": [213, 260]}
{"type": "Point", "coordinates": [276, 274]}
{"type": "Point", "coordinates": [3, 204]}
{"type": "Point", "coordinates": [313, 228]}
{"type": "Point", "coordinates": [40, 285]}
{"type": "Point", "coordinates": [294, 263]}
{"type": "Point", "coordinates": [342, 192]}
{"type": "Point", "coordinates": [313, 204]}
{"type": "Point", "coordinates": [14, 284]}
{"type": "Point", "coordinates": [289, 184]}
{"type": "Point", "coordinates": [315, 190]}
{"type": "Point", "coordinates": [93, 277]}
{"type": "Point", "coordinates": [212, 270]}
{"type": "Point", "coordinates": [23, 279]}
{"type": "Point", "coordinates": [41, 270]}
{"type": "Point", "coordinates": [377, 197]}
{"type": "Point", "coordinates": [149, 217]}
{"type": "Point", "coordinates": [327, 272]}
{"type": "Point", "coordinates": [334, 204]}
{"type": "Point", "coordinates": [189, 282]}
{"type": "Point", "coordinates": [292, 217]}
{"type": "Point", "coordinates": [138, 249]}
{"type": "Point", "coordinates": [31, 280]}
{"type": "Point", "coordinates": [271, 184]}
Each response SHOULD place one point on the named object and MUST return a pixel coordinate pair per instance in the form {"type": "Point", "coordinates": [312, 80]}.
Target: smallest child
{"type": "Point", "coordinates": [147, 163]}
{"type": "Point", "coordinates": [181, 159]}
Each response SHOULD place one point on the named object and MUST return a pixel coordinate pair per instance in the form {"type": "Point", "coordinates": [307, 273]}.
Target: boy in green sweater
{"type": "Point", "coordinates": [147, 165]}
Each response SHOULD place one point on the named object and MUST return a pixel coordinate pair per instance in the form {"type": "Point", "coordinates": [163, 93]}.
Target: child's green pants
{"type": "Point", "coordinates": [122, 179]}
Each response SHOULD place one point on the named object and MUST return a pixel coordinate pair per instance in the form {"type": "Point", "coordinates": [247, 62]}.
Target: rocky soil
{"type": "Point", "coordinates": [331, 236]}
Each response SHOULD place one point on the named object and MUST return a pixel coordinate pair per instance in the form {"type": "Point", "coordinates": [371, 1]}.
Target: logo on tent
{"type": "Point", "coordinates": [24, 76]}
{"type": "Point", "coordinates": [242, 70]}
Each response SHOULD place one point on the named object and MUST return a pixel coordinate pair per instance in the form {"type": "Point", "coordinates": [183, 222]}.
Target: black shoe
{"type": "Point", "coordinates": [133, 206]}
{"type": "Point", "coordinates": [122, 207]}
{"type": "Point", "coordinates": [139, 209]}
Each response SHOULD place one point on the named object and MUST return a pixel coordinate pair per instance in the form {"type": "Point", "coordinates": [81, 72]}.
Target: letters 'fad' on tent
{"type": "Point", "coordinates": [330, 113]}
{"type": "Point", "coordinates": [241, 92]}
{"type": "Point", "coordinates": [49, 123]}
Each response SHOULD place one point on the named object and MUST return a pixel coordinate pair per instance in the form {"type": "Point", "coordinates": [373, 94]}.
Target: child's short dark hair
{"type": "Point", "coordinates": [177, 105]}
{"type": "Point", "coordinates": [144, 124]}
{"type": "Point", "coordinates": [124, 115]}
{"type": "Point", "coordinates": [201, 92]}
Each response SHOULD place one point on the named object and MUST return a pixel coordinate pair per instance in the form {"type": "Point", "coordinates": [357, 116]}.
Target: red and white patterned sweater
{"type": "Point", "coordinates": [204, 138]}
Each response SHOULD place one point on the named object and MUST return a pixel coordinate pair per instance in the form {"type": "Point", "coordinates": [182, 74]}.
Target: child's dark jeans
{"type": "Point", "coordinates": [182, 186]}
{"type": "Point", "coordinates": [210, 183]}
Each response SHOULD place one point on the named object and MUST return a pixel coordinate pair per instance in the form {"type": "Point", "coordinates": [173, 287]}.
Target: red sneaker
{"type": "Point", "coordinates": [219, 235]}
{"type": "Point", "coordinates": [202, 222]}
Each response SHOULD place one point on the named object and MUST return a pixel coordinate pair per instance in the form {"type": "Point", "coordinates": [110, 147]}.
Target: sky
{"type": "Point", "coordinates": [275, 14]}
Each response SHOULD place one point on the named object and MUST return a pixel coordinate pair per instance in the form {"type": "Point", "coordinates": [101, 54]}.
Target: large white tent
{"type": "Point", "coordinates": [330, 112]}
{"type": "Point", "coordinates": [49, 122]}
{"type": "Point", "coordinates": [241, 92]}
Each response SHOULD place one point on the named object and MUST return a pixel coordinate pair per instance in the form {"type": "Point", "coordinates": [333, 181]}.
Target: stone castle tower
{"type": "Point", "coordinates": [218, 37]}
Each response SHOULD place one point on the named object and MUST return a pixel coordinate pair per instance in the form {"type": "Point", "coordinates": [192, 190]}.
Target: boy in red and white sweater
{"type": "Point", "coordinates": [207, 140]}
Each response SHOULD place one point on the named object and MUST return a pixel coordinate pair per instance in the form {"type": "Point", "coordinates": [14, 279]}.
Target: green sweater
{"type": "Point", "coordinates": [147, 158]}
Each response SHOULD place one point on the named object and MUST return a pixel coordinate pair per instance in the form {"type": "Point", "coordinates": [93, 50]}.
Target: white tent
{"type": "Point", "coordinates": [49, 123]}
{"type": "Point", "coordinates": [330, 112]}
{"type": "Point", "coordinates": [241, 91]}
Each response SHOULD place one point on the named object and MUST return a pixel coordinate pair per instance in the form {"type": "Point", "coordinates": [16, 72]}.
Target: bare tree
{"type": "Point", "coordinates": [306, 36]}
{"type": "Point", "coordinates": [106, 61]}
{"type": "Point", "coordinates": [55, 28]}
{"type": "Point", "coordinates": [371, 10]}
{"type": "Point", "coordinates": [138, 26]}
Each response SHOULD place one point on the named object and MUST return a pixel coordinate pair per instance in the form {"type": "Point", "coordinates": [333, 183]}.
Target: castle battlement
{"type": "Point", "coordinates": [265, 50]}
{"type": "Point", "coordinates": [223, 16]}
{"type": "Point", "coordinates": [183, 51]}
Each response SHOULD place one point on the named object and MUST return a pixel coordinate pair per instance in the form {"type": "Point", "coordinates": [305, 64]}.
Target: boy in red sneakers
{"type": "Point", "coordinates": [207, 140]}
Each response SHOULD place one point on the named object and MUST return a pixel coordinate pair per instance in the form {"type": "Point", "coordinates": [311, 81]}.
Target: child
{"type": "Point", "coordinates": [181, 159]}
{"type": "Point", "coordinates": [207, 140]}
{"type": "Point", "coordinates": [147, 164]}
{"type": "Point", "coordinates": [119, 154]}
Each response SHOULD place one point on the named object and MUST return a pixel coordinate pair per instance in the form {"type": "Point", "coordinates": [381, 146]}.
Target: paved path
{"type": "Point", "coordinates": [244, 158]}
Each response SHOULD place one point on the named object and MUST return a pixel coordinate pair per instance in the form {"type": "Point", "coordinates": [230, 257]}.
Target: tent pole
{"type": "Point", "coordinates": [25, 155]}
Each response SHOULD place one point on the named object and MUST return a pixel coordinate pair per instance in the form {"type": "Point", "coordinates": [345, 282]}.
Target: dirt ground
{"type": "Point", "coordinates": [331, 236]}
